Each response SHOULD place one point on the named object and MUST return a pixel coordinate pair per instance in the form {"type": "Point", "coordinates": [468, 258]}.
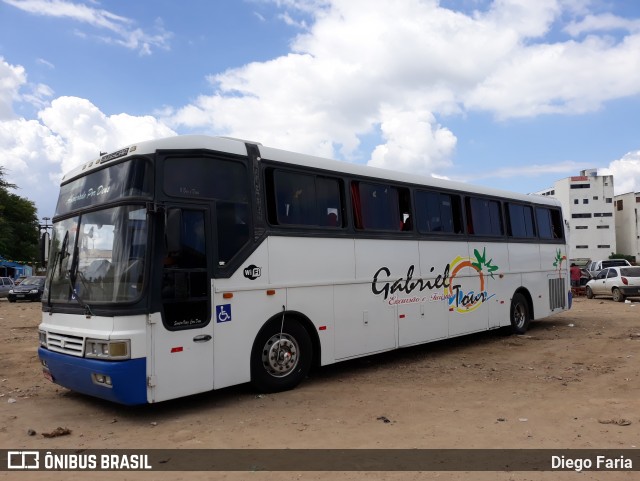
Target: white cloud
{"type": "Point", "coordinates": [355, 58]}
{"type": "Point", "coordinates": [603, 22]}
{"type": "Point", "coordinates": [414, 143]}
{"type": "Point", "coordinates": [12, 77]}
{"type": "Point", "coordinates": [68, 132]}
{"type": "Point", "coordinates": [121, 29]}
{"type": "Point", "coordinates": [626, 173]}
{"type": "Point", "coordinates": [85, 131]}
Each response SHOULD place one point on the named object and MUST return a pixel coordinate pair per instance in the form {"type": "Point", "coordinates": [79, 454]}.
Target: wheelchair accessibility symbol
{"type": "Point", "coordinates": [223, 313]}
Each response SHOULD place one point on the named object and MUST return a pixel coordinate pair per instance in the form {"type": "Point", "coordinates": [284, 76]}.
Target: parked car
{"type": "Point", "coordinates": [616, 282]}
{"type": "Point", "coordinates": [19, 280]}
{"type": "Point", "coordinates": [29, 290]}
{"type": "Point", "coordinates": [595, 267]}
{"type": "Point", "coordinates": [6, 284]}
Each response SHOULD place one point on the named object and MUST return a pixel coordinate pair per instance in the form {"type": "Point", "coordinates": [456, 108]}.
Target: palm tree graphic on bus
{"type": "Point", "coordinates": [469, 301]}
{"type": "Point", "coordinates": [558, 261]}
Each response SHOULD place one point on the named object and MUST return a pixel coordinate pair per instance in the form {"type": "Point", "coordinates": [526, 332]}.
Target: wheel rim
{"type": "Point", "coordinates": [519, 315]}
{"type": "Point", "coordinates": [280, 355]}
{"type": "Point", "coordinates": [616, 295]}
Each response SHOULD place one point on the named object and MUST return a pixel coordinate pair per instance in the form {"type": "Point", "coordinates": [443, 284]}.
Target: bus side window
{"type": "Point", "coordinates": [304, 199]}
{"type": "Point", "coordinates": [232, 229]}
{"type": "Point", "coordinates": [520, 222]}
{"type": "Point", "coordinates": [381, 206]}
{"type": "Point", "coordinates": [438, 212]}
{"type": "Point", "coordinates": [484, 217]}
{"type": "Point", "coordinates": [549, 223]}
{"type": "Point", "coordinates": [185, 282]}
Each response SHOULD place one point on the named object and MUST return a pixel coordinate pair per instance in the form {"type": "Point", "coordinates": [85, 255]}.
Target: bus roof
{"type": "Point", "coordinates": [238, 147]}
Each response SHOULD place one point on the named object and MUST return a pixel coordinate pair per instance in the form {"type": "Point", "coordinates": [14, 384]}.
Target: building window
{"type": "Point", "coordinates": [619, 204]}
{"type": "Point", "coordinates": [608, 200]}
{"type": "Point", "coordinates": [580, 186]}
{"type": "Point", "coordinates": [582, 247]}
{"type": "Point", "coordinates": [603, 227]}
{"type": "Point", "coordinates": [581, 216]}
{"type": "Point", "coordinates": [604, 246]}
{"type": "Point", "coordinates": [595, 197]}
{"type": "Point", "coordinates": [585, 201]}
{"type": "Point", "coordinates": [576, 201]}
{"type": "Point", "coordinates": [603, 214]}
{"type": "Point", "coordinates": [581, 227]}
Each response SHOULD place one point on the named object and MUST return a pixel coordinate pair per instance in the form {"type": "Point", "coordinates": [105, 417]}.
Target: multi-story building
{"type": "Point", "coordinates": [628, 224]}
{"type": "Point", "coordinates": [587, 202]}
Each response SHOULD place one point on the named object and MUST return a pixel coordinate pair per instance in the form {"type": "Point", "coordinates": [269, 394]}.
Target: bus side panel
{"type": "Point", "coordinates": [238, 319]}
{"type": "Point", "coordinates": [365, 312]}
{"type": "Point", "coordinates": [316, 303]}
{"type": "Point", "coordinates": [554, 260]}
{"type": "Point", "coordinates": [524, 266]}
{"type": "Point", "coordinates": [431, 322]}
{"type": "Point", "coordinates": [310, 261]}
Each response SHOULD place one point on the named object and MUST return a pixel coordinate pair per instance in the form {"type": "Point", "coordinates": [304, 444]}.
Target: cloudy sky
{"type": "Point", "coordinates": [512, 94]}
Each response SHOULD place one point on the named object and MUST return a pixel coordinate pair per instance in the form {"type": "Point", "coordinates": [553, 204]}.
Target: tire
{"type": "Point", "coordinates": [12, 300]}
{"type": "Point", "coordinates": [520, 314]}
{"type": "Point", "coordinates": [589, 293]}
{"type": "Point", "coordinates": [280, 363]}
{"type": "Point", "coordinates": [618, 296]}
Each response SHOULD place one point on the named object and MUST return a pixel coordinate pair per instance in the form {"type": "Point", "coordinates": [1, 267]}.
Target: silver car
{"type": "Point", "coordinates": [615, 282]}
{"type": "Point", "coordinates": [6, 284]}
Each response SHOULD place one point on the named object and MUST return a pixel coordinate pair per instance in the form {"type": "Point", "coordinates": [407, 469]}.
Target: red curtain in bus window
{"type": "Point", "coordinates": [355, 199]}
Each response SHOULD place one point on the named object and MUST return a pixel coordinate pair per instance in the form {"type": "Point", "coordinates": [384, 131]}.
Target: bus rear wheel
{"type": "Point", "coordinates": [520, 315]}
{"type": "Point", "coordinates": [280, 360]}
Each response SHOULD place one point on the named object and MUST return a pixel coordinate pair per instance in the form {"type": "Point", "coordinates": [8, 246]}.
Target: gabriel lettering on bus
{"type": "Point", "coordinates": [458, 299]}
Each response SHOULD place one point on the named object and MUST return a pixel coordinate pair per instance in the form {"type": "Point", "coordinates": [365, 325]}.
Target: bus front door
{"type": "Point", "coordinates": [182, 333]}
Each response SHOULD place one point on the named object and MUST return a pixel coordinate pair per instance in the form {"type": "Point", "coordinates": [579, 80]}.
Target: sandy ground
{"type": "Point", "coordinates": [558, 387]}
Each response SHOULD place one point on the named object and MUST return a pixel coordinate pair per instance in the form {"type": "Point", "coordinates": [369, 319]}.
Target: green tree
{"type": "Point", "coordinates": [18, 224]}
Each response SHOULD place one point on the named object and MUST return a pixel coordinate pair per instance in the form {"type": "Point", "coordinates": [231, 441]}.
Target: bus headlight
{"type": "Point", "coordinates": [42, 336]}
{"type": "Point", "coordinates": [114, 350]}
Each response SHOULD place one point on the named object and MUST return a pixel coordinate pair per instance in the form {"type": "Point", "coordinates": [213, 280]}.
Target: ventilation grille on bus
{"type": "Point", "coordinates": [72, 345]}
{"type": "Point", "coordinates": [557, 293]}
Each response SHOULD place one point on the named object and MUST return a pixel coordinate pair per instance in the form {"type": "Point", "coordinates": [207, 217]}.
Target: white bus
{"type": "Point", "coordinates": [192, 263]}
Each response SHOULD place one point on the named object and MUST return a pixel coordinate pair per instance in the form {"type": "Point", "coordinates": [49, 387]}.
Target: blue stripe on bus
{"type": "Point", "coordinates": [128, 378]}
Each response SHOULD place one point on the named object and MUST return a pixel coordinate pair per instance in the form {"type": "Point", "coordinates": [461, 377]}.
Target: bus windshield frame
{"type": "Point", "coordinates": [99, 257]}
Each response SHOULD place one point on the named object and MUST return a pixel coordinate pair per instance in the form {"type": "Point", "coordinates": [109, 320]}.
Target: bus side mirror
{"type": "Point", "coordinates": [44, 248]}
{"type": "Point", "coordinates": [173, 230]}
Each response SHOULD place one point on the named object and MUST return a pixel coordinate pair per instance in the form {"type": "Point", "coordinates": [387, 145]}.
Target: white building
{"type": "Point", "coordinates": [587, 202]}
{"type": "Point", "coordinates": [628, 224]}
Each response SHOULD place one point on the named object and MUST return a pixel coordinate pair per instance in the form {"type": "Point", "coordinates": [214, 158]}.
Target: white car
{"type": "Point", "coordinates": [616, 282]}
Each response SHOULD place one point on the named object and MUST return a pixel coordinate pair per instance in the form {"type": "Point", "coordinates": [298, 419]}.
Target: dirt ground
{"type": "Point", "coordinates": [572, 382]}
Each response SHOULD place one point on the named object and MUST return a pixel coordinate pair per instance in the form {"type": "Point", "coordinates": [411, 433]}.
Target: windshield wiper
{"type": "Point", "coordinates": [73, 276]}
{"type": "Point", "coordinates": [60, 255]}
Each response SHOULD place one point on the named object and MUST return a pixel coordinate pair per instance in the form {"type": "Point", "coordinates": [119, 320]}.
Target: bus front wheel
{"type": "Point", "coordinates": [520, 315]}
{"type": "Point", "coordinates": [281, 356]}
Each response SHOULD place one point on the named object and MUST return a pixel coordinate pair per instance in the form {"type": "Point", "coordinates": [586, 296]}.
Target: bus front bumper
{"type": "Point", "coordinates": [123, 382]}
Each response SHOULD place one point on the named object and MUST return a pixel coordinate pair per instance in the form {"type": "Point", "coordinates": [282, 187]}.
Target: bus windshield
{"type": "Point", "coordinates": [98, 256]}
